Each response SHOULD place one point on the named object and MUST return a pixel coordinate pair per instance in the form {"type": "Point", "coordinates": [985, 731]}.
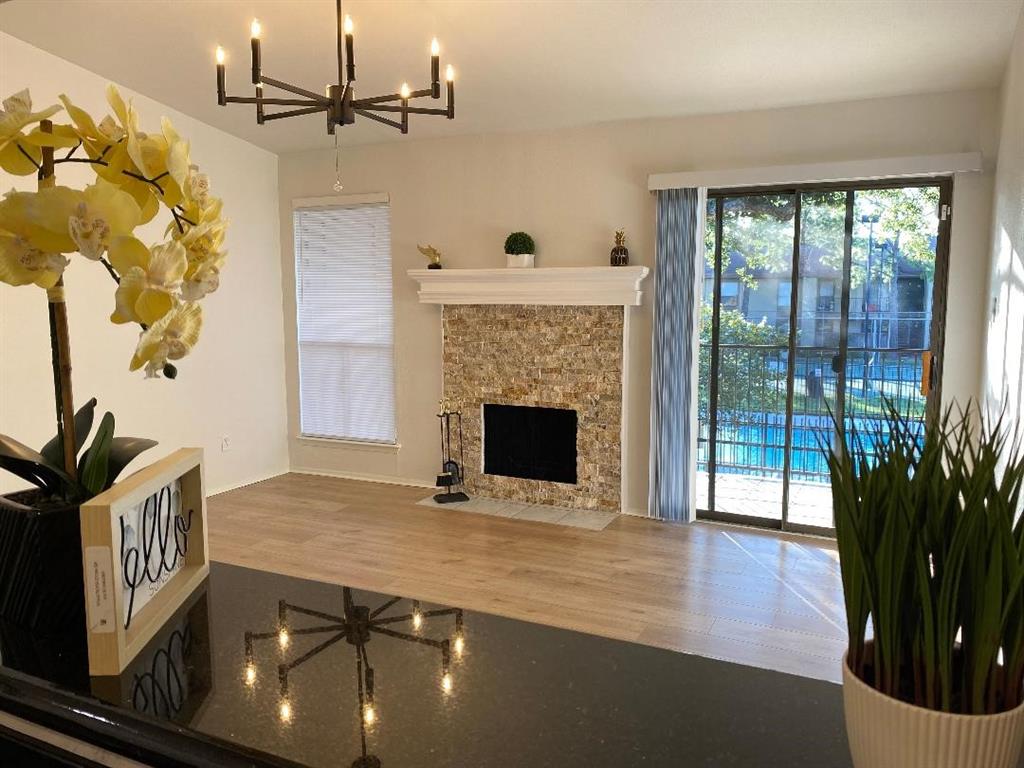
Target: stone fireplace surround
{"type": "Point", "coordinates": [550, 337]}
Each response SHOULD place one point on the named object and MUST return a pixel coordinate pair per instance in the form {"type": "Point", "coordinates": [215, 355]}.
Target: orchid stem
{"type": "Point", "coordinates": [30, 158]}
{"type": "Point", "coordinates": [111, 270]}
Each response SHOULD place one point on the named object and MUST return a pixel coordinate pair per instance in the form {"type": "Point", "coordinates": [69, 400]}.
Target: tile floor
{"type": "Point", "coordinates": [591, 520]}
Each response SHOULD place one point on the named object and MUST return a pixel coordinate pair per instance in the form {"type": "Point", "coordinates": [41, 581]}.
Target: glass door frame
{"type": "Point", "coordinates": [937, 329]}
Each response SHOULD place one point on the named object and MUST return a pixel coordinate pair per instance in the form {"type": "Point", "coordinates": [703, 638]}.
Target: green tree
{"type": "Point", "coordinates": [751, 372]}
{"type": "Point", "coordinates": [759, 228]}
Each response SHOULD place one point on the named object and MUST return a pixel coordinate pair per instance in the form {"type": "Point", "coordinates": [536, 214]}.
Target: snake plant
{"type": "Point", "coordinates": [931, 549]}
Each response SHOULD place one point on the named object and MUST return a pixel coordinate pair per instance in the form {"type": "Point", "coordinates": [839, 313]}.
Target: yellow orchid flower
{"type": "Point", "coordinates": [31, 241]}
{"type": "Point", "coordinates": [162, 159]}
{"type": "Point", "coordinates": [169, 338]}
{"type": "Point", "coordinates": [22, 264]}
{"type": "Point", "coordinates": [152, 168]}
{"type": "Point", "coordinates": [197, 189]}
{"type": "Point", "coordinates": [203, 280]}
{"type": "Point", "coordinates": [96, 139]}
{"type": "Point", "coordinates": [41, 218]}
{"type": "Point", "coordinates": [21, 154]}
{"type": "Point", "coordinates": [202, 232]}
{"type": "Point", "coordinates": [104, 213]}
{"type": "Point", "coordinates": [107, 143]}
{"type": "Point", "coordinates": [150, 279]}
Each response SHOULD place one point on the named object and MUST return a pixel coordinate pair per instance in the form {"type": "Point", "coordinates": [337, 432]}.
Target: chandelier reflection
{"type": "Point", "coordinates": [356, 627]}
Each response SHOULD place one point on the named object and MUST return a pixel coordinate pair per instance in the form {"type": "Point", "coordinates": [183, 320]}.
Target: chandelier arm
{"type": "Point", "coordinates": [297, 112]}
{"type": "Point", "coordinates": [315, 614]}
{"type": "Point", "coordinates": [275, 102]}
{"type": "Point", "coordinates": [411, 110]}
{"type": "Point", "coordinates": [259, 636]}
{"type": "Point", "coordinates": [408, 616]}
{"type": "Point", "coordinates": [319, 98]}
{"type": "Point", "coordinates": [379, 119]}
{"type": "Point", "coordinates": [313, 652]}
{"type": "Point", "coordinates": [371, 100]}
{"type": "Point", "coordinates": [440, 612]}
{"type": "Point", "coordinates": [411, 638]}
{"type": "Point", "coordinates": [315, 630]}
{"type": "Point", "coordinates": [378, 611]}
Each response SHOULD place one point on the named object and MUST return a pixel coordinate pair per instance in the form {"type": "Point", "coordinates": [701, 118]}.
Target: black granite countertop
{"type": "Point", "coordinates": [520, 694]}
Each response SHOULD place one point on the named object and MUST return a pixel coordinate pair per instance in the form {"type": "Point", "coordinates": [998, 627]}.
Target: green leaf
{"type": "Point", "coordinates": [122, 451]}
{"type": "Point", "coordinates": [29, 465]}
{"type": "Point", "coordinates": [54, 449]}
{"type": "Point", "coordinates": [95, 464]}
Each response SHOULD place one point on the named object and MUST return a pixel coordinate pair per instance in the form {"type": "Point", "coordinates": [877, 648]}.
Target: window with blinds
{"type": "Point", "coordinates": [345, 322]}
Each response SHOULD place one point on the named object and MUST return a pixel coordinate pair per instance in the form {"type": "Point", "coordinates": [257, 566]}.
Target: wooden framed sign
{"type": "Point", "coordinates": [144, 552]}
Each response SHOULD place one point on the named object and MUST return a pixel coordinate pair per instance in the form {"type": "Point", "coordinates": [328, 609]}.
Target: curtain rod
{"type": "Point", "coordinates": [844, 170]}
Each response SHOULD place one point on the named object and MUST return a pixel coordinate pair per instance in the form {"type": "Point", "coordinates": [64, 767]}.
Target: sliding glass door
{"type": "Point", "coordinates": [816, 301]}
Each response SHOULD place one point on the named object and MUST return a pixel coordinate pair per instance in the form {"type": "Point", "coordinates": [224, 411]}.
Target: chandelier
{"type": "Point", "coordinates": [355, 627]}
{"type": "Point", "coordinates": [339, 101]}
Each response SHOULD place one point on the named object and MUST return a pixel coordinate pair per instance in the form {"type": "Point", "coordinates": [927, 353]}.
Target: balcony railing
{"type": "Point", "coordinates": [751, 414]}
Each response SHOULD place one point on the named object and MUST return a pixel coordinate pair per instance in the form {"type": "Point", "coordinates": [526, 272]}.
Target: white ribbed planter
{"type": "Point", "coordinates": [519, 260]}
{"type": "Point", "coordinates": [888, 733]}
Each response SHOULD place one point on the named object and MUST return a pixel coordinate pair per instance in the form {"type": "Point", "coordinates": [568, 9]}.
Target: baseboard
{"type": "Point", "coordinates": [244, 483]}
{"type": "Point", "coordinates": [635, 512]}
{"type": "Point", "coordinates": [369, 478]}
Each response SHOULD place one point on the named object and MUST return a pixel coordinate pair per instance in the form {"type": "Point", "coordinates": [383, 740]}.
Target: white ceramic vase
{"type": "Point", "coordinates": [888, 733]}
{"type": "Point", "coordinates": [519, 260]}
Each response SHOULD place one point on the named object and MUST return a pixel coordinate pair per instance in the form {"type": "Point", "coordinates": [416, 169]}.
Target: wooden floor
{"type": "Point", "coordinates": [758, 598]}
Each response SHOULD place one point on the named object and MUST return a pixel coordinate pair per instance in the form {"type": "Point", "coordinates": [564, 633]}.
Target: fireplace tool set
{"type": "Point", "coordinates": [451, 477]}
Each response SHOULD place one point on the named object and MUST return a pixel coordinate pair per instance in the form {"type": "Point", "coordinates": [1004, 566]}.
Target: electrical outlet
{"type": "Point", "coordinates": [225, 444]}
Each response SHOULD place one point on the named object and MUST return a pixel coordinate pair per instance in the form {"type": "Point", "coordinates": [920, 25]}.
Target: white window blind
{"type": "Point", "coordinates": [345, 322]}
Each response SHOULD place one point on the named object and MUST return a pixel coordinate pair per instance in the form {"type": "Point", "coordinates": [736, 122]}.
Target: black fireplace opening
{"type": "Point", "coordinates": [530, 442]}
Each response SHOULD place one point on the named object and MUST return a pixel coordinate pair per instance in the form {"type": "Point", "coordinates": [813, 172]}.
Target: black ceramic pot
{"type": "Point", "coordinates": [41, 585]}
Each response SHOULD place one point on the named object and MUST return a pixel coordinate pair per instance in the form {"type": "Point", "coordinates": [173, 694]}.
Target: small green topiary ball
{"type": "Point", "coordinates": [519, 243]}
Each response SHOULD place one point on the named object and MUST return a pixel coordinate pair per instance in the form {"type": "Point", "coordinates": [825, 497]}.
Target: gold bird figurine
{"type": "Point", "coordinates": [431, 253]}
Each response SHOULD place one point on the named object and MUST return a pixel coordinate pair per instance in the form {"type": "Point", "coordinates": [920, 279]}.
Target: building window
{"type": "Point", "coordinates": [730, 294]}
{"type": "Point", "coordinates": [784, 295]}
{"type": "Point", "coordinates": [826, 296]}
{"type": "Point", "coordinates": [345, 319]}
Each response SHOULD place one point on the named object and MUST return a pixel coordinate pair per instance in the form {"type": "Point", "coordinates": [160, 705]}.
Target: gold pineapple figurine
{"type": "Point", "coordinates": [620, 253]}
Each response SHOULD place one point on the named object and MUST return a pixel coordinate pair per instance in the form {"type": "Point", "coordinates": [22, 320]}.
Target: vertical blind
{"type": "Point", "coordinates": [345, 322]}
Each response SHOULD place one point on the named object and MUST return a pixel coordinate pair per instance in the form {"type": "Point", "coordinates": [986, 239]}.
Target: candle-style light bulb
{"type": "Point", "coordinates": [405, 91]}
{"type": "Point", "coordinates": [460, 645]}
{"type": "Point", "coordinates": [435, 69]}
{"type": "Point", "coordinates": [282, 638]}
{"type": "Point", "coordinates": [250, 674]}
{"type": "Point", "coordinates": [284, 711]}
{"type": "Point", "coordinates": [449, 75]}
{"type": "Point", "coordinates": [222, 96]}
{"type": "Point", "coordinates": [446, 682]}
{"type": "Point", "coordinates": [369, 714]}
{"type": "Point", "coordinates": [350, 56]}
{"type": "Point", "coordinates": [254, 43]}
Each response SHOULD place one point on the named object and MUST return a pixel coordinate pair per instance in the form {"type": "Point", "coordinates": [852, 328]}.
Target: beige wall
{"type": "Point", "coordinates": [233, 383]}
{"type": "Point", "coordinates": [571, 189]}
{"type": "Point", "coordinates": [1003, 374]}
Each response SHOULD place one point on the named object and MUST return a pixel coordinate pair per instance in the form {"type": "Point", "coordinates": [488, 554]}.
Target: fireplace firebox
{"type": "Point", "coordinates": [530, 442]}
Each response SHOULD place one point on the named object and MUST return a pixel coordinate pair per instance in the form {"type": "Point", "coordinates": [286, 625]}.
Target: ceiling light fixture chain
{"type": "Point", "coordinates": [338, 101]}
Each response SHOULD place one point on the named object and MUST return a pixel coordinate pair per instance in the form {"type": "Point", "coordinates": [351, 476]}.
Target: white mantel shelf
{"type": "Point", "coordinates": [565, 286]}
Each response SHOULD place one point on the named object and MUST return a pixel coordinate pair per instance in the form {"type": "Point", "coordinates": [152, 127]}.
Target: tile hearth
{"type": "Point", "coordinates": [590, 519]}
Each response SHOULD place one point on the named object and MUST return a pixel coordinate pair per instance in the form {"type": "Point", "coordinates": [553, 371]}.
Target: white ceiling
{"type": "Point", "coordinates": [525, 64]}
